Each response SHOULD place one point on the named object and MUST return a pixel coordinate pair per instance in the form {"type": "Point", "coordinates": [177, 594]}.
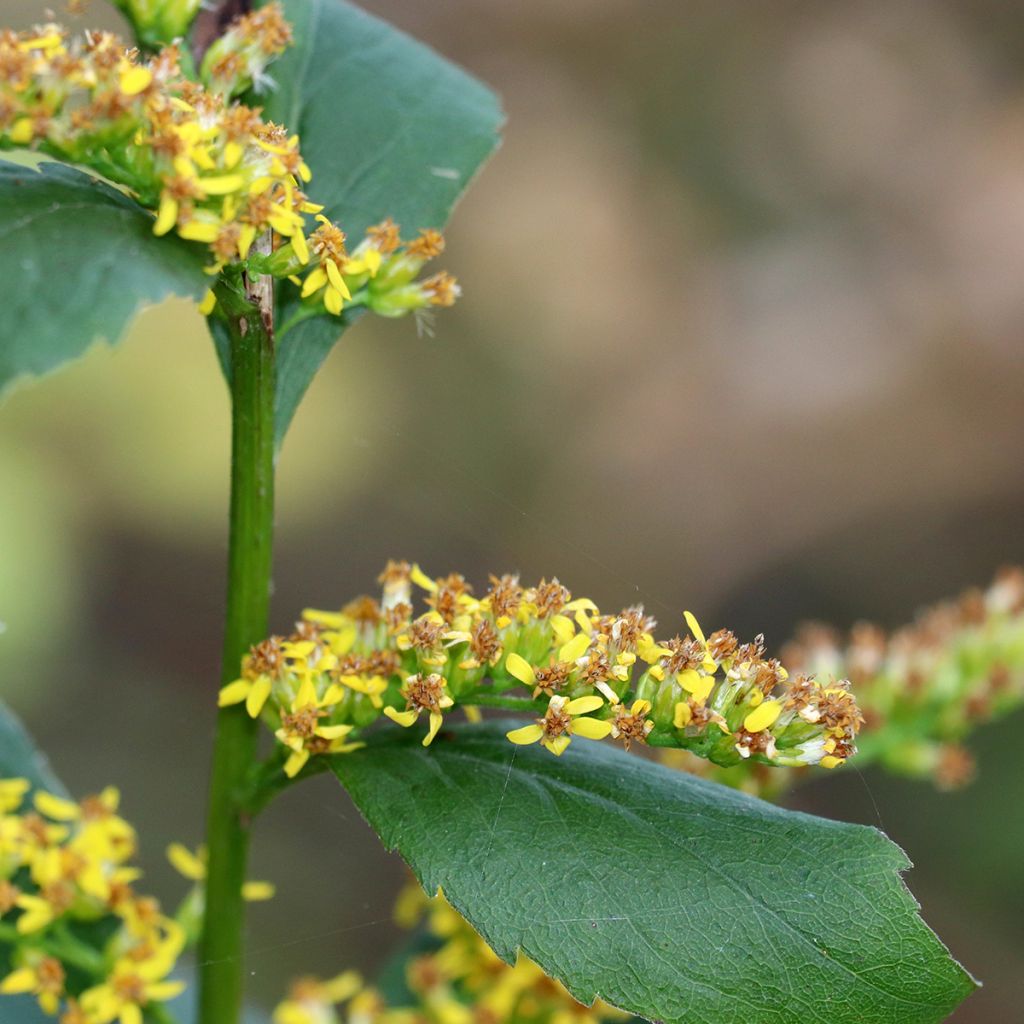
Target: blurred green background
{"type": "Point", "coordinates": [743, 331]}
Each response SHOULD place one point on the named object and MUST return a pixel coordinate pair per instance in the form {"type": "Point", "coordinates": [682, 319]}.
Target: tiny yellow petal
{"type": "Point", "coordinates": [232, 154]}
{"type": "Point", "coordinates": [342, 987]}
{"type": "Point", "coordinates": [257, 697]}
{"type": "Point", "coordinates": [135, 80]}
{"type": "Point", "coordinates": [199, 231]}
{"type": "Point", "coordinates": [233, 693]}
{"type": "Point", "coordinates": [257, 892]}
{"type": "Point", "coordinates": [167, 215]}
{"type": "Point", "coordinates": [306, 696]}
{"type": "Point", "coordinates": [435, 723]}
{"type": "Point", "coordinates": [693, 682]}
{"type": "Point", "coordinates": [591, 728]}
{"type": "Point", "coordinates": [315, 280]}
{"type": "Point", "coordinates": [186, 863]}
{"type": "Point", "coordinates": [54, 807]}
{"type": "Point", "coordinates": [575, 648]}
{"type": "Point", "coordinates": [762, 716]}
{"type": "Point", "coordinates": [558, 744]}
{"type": "Point", "coordinates": [246, 236]}
{"type": "Point", "coordinates": [830, 761]}
{"type": "Point", "coordinates": [582, 705]}
{"type": "Point", "coordinates": [527, 734]}
{"type": "Point", "coordinates": [209, 303]}
{"type": "Point", "coordinates": [694, 627]}
{"type": "Point", "coordinates": [221, 184]}
{"type": "Point", "coordinates": [295, 762]}
{"type": "Point", "coordinates": [563, 629]}
{"type": "Point", "coordinates": [21, 132]}
{"type": "Point", "coordinates": [334, 276]}
{"type": "Point", "coordinates": [333, 301]}
{"type": "Point", "coordinates": [21, 980]}
{"type": "Point", "coordinates": [682, 716]}
{"type": "Point", "coordinates": [333, 732]}
{"type": "Point", "coordinates": [402, 718]}
{"type": "Point", "coordinates": [517, 666]}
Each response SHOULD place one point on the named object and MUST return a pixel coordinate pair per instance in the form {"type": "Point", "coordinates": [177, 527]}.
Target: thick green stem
{"type": "Point", "coordinates": [250, 321]}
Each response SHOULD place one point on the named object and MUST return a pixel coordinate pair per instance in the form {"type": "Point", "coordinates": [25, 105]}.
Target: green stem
{"type": "Point", "coordinates": [250, 325]}
{"type": "Point", "coordinates": [60, 943]}
{"type": "Point", "coordinates": [485, 699]}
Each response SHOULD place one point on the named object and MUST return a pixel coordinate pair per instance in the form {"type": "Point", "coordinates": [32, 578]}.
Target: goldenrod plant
{"type": "Point", "coordinates": [561, 879]}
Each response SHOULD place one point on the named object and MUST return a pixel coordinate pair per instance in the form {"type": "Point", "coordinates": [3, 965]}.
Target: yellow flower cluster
{"type": "Point", "coordinates": [459, 981]}
{"type": "Point", "coordinates": [212, 170]}
{"type": "Point", "coordinates": [926, 686]}
{"type": "Point", "coordinates": [65, 878]}
{"type": "Point", "coordinates": [584, 674]}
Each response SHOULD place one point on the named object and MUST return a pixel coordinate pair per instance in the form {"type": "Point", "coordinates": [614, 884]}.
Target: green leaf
{"type": "Point", "coordinates": [669, 896]}
{"type": "Point", "coordinates": [388, 127]}
{"type": "Point", "coordinates": [78, 260]}
{"type": "Point", "coordinates": [20, 758]}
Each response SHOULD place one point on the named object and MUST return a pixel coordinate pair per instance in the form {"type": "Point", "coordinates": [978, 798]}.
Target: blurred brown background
{"type": "Point", "coordinates": [743, 330]}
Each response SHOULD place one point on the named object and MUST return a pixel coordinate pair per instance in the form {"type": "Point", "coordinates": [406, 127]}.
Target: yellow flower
{"type": "Point", "coordinates": [193, 867]}
{"type": "Point", "coordinates": [303, 734]}
{"type": "Point", "coordinates": [556, 674]}
{"type": "Point", "coordinates": [254, 692]}
{"type": "Point", "coordinates": [328, 246]}
{"type": "Point", "coordinates": [137, 979]}
{"type": "Point", "coordinates": [41, 911]}
{"type": "Point", "coordinates": [101, 834]}
{"type": "Point", "coordinates": [423, 693]}
{"type": "Point", "coordinates": [564, 719]}
{"type": "Point", "coordinates": [311, 1001]}
{"type": "Point", "coordinates": [12, 793]}
{"type": "Point", "coordinates": [43, 977]}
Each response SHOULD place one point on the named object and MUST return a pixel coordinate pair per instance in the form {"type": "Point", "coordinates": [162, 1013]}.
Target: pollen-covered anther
{"type": "Point", "coordinates": [762, 742]}
{"type": "Point", "coordinates": [629, 627]}
{"type": "Point", "coordinates": [802, 697]}
{"type": "Point", "coordinates": [428, 245]}
{"type": "Point", "coordinates": [632, 725]}
{"type": "Point", "coordinates": [425, 692]}
{"type": "Point", "coordinates": [484, 645]}
{"type": "Point", "coordinates": [685, 654]}
{"type": "Point", "coordinates": [448, 599]}
{"type": "Point", "coordinates": [267, 27]}
{"type": "Point", "coordinates": [265, 658]}
{"type": "Point", "coordinates": [549, 598]}
{"type": "Point", "coordinates": [551, 679]}
{"type": "Point", "coordinates": [838, 710]}
{"type": "Point", "coordinates": [442, 289]}
{"type": "Point", "coordinates": [504, 599]}
{"type": "Point", "coordinates": [426, 635]}
{"type": "Point", "coordinates": [385, 236]}
{"type": "Point", "coordinates": [303, 723]}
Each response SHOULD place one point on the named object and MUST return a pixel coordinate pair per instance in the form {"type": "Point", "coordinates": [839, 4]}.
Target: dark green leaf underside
{"type": "Point", "coordinates": [20, 758]}
{"type": "Point", "coordinates": [671, 897]}
{"type": "Point", "coordinates": [78, 260]}
{"type": "Point", "coordinates": [388, 127]}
